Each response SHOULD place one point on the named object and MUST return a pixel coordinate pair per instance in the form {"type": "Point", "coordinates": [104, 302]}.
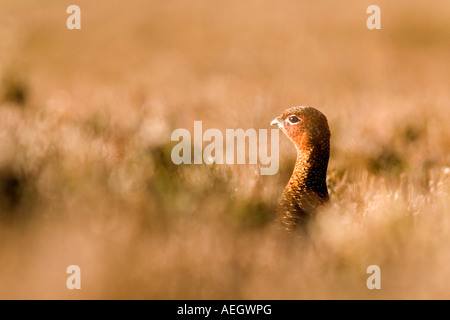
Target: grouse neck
{"type": "Point", "coordinates": [310, 170]}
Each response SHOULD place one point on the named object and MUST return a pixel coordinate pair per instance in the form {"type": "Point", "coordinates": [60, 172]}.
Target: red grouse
{"type": "Point", "coordinates": [306, 190]}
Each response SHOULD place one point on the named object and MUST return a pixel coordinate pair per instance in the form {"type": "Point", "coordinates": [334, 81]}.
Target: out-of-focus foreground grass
{"type": "Point", "coordinates": [86, 176]}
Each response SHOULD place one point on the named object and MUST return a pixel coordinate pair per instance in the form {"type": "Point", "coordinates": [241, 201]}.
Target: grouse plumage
{"type": "Point", "coordinates": [306, 190]}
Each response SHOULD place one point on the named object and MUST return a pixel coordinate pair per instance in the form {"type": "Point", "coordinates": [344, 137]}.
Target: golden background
{"type": "Point", "coordinates": [86, 176]}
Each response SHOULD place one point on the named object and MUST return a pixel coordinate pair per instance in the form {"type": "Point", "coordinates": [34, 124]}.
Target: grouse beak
{"type": "Point", "coordinates": [277, 121]}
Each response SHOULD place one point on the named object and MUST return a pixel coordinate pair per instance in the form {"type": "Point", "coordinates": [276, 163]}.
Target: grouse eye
{"type": "Point", "coordinates": [293, 119]}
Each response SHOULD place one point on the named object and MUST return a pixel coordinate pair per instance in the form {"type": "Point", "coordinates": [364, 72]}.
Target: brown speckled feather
{"type": "Point", "coordinates": [306, 190]}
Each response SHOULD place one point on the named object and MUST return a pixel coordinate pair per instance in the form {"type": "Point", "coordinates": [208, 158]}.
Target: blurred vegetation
{"type": "Point", "coordinates": [86, 175]}
{"type": "Point", "coordinates": [15, 90]}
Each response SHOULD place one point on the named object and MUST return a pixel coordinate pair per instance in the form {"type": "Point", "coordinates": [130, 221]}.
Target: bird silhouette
{"type": "Point", "coordinates": [306, 190]}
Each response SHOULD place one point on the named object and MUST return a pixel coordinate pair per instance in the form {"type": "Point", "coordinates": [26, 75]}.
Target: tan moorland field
{"type": "Point", "coordinates": [86, 176]}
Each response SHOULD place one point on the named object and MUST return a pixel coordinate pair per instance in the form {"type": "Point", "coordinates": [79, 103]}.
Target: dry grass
{"type": "Point", "coordinates": [85, 170]}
